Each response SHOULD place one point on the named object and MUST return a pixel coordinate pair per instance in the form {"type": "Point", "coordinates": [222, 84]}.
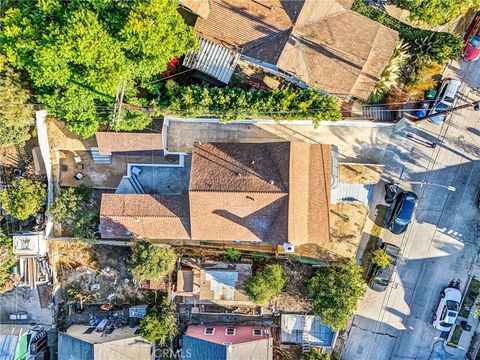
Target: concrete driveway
{"type": "Point", "coordinates": [357, 142]}
{"type": "Point", "coordinates": [440, 245]}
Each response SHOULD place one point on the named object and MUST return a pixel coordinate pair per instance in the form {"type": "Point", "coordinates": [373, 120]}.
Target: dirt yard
{"type": "Point", "coordinates": [346, 225]}
{"type": "Point", "coordinates": [59, 137]}
{"type": "Point", "coordinates": [96, 273]}
{"type": "Point", "coordinates": [293, 297]}
{"type": "Point", "coordinates": [360, 174]}
{"type": "Point", "coordinates": [376, 232]}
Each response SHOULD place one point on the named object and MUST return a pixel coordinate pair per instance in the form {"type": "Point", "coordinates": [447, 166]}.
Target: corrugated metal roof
{"type": "Point", "coordinates": [70, 348]}
{"type": "Point", "coordinates": [199, 349]}
{"type": "Point", "coordinates": [353, 192]}
{"type": "Point", "coordinates": [213, 59]}
{"type": "Point", "coordinates": [293, 327]}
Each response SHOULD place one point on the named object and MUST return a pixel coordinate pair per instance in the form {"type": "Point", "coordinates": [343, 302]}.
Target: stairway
{"type": "Point", "coordinates": [306, 347]}
{"type": "Point", "coordinates": [136, 185]}
{"type": "Point", "coordinates": [99, 158]}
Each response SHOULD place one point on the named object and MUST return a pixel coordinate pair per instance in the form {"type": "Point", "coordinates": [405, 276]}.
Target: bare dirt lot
{"type": "Point", "coordinates": [95, 273]}
{"type": "Point", "coordinates": [360, 174]}
{"type": "Point", "coordinates": [346, 225]}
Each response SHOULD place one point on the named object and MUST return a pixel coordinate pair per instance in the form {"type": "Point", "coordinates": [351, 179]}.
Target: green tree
{"type": "Point", "coordinates": [84, 225]}
{"type": "Point", "coordinates": [436, 12]}
{"type": "Point", "coordinates": [66, 205]}
{"type": "Point", "coordinates": [7, 259]}
{"type": "Point", "coordinates": [16, 114]}
{"type": "Point", "coordinates": [315, 354]}
{"type": "Point", "coordinates": [425, 45]}
{"type": "Point", "coordinates": [76, 52]}
{"type": "Point", "coordinates": [24, 198]}
{"type": "Point", "coordinates": [150, 261]}
{"type": "Point", "coordinates": [73, 207]}
{"type": "Point", "coordinates": [266, 284]}
{"type": "Point", "coordinates": [393, 71]}
{"type": "Point", "coordinates": [380, 258]}
{"type": "Point", "coordinates": [160, 323]}
{"type": "Point", "coordinates": [233, 103]}
{"type": "Point", "coordinates": [334, 292]}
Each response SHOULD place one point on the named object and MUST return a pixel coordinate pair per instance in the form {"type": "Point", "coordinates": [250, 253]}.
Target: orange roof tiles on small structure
{"type": "Point", "coordinates": [115, 142]}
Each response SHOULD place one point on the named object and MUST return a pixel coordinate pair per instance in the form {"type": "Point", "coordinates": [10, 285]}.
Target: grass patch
{"type": "Point", "coordinates": [471, 296]}
{"type": "Point", "coordinates": [457, 333]}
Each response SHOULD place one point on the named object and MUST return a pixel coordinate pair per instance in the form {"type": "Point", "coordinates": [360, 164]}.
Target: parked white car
{"type": "Point", "coordinates": [445, 100]}
{"type": "Point", "coordinates": [448, 309]}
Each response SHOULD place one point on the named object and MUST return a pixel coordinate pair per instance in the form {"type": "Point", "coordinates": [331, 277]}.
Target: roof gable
{"type": "Point", "coordinates": [110, 142]}
{"type": "Point", "coordinates": [235, 23]}
{"type": "Point", "coordinates": [147, 216]}
{"type": "Point", "coordinates": [244, 216]}
{"type": "Point", "coordinates": [240, 167]}
{"type": "Point", "coordinates": [309, 195]}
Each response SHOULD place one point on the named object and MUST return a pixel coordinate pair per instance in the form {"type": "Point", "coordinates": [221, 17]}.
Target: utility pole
{"type": "Point", "coordinates": [119, 104]}
{"type": "Point", "coordinates": [117, 107]}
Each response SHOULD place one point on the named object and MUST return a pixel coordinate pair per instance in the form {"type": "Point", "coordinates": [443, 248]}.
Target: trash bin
{"type": "Point", "coordinates": [466, 326]}
{"type": "Point", "coordinates": [430, 94]}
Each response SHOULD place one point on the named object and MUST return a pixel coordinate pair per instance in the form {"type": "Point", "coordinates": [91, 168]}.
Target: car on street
{"type": "Point", "coordinates": [381, 276]}
{"type": "Point", "coordinates": [471, 51]}
{"type": "Point", "coordinates": [400, 212]}
{"type": "Point", "coordinates": [448, 309]}
{"type": "Point", "coordinates": [444, 101]}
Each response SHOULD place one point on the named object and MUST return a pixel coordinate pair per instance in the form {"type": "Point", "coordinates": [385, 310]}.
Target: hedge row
{"type": "Point", "coordinates": [233, 103]}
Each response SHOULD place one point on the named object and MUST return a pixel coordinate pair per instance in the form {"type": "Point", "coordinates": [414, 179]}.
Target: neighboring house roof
{"type": "Point", "coordinates": [242, 345]}
{"type": "Point", "coordinates": [219, 283]}
{"type": "Point", "coordinates": [148, 216]}
{"type": "Point", "coordinates": [78, 343]}
{"type": "Point", "coordinates": [294, 326]}
{"type": "Point", "coordinates": [271, 192]}
{"type": "Point", "coordinates": [200, 7]}
{"type": "Point", "coordinates": [213, 59]}
{"type": "Point", "coordinates": [30, 243]}
{"type": "Point", "coordinates": [111, 142]}
{"type": "Point", "coordinates": [323, 42]}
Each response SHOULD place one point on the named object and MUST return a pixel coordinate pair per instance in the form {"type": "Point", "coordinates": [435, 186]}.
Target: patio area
{"type": "Point", "coordinates": [103, 176]}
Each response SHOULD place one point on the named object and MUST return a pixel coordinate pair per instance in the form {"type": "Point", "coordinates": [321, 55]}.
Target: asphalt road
{"type": "Point", "coordinates": [440, 245]}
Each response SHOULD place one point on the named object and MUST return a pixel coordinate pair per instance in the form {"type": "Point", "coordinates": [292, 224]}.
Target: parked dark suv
{"type": "Point", "coordinates": [380, 276]}
{"type": "Point", "coordinates": [400, 212]}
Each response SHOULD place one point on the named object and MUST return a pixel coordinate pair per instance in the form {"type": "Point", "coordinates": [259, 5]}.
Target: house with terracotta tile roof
{"type": "Point", "coordinates": [221, 342]}
{"type": "Point", "coordinates": [321, 44]}
{"type": "Point", "coordinates": [272, 193]}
